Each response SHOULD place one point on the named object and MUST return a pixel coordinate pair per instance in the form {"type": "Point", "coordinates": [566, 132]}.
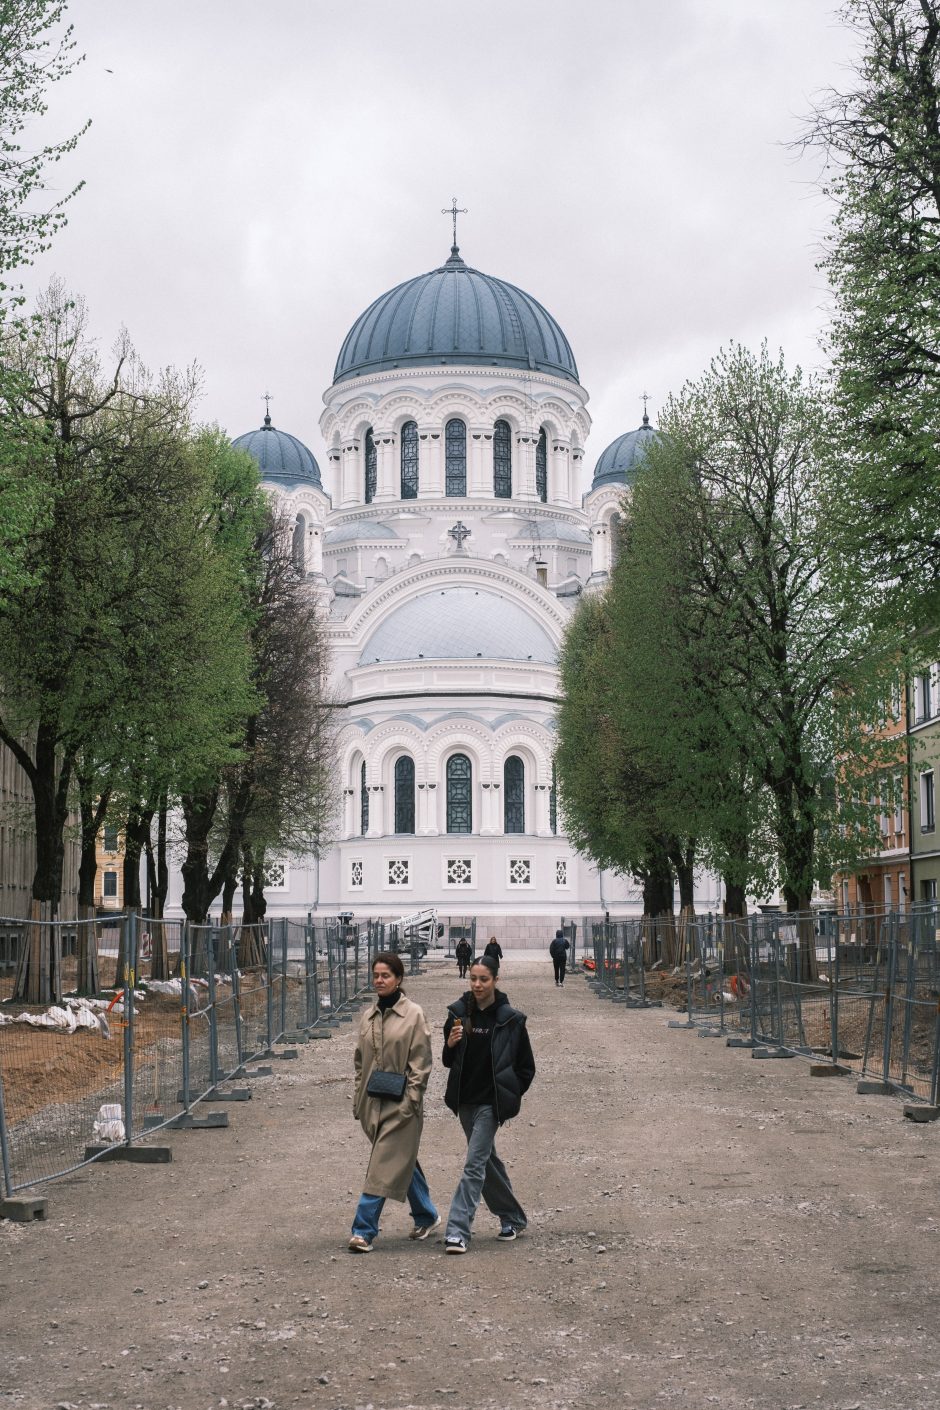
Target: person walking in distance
{"type": "Point", "coordinates": [490, 1067]}
{"type": "Point", "coordinates": [464, 954]}
{"type": "Point", "coordinates": [494, 950]}
{"type": "Point", "coordinates": [558, 950]}
{"type": "Point", "coordinates": [392, 1066]}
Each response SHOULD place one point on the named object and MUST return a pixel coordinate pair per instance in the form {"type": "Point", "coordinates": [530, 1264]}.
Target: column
{"type": "Point", "coordinates": [480, 462]}
{"type": "Point", "coordinates": [524, 468]}
{"type": "Point", "coordinates": [486, 812]}
{"type": "Point", "coordinates": [559, 473]}
{"type": "Point", "coordinates": [388, 482]}
{"type": "Point", "coordinates": [430, 463]}
{"type": "Point", "coordinates": [542, 827]}
{"type": "Point", "coordinates": [376, 811]}
{"type": "Point", "coordinates": [433, 804]}
{"type": "Point", "coordinates": [315, 550]}
{"type": "Point", "coordinates": [353, 483]}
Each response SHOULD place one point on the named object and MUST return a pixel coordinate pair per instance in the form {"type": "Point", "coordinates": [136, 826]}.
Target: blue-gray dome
{"type": "Point", "coordinates": [619, 463]}
{"type": "Point", "coordinates": [281, 458]}
{"type": "Point", "coordinates": [455, 314]}
{"type": "Point", "coordinates": [459, 624]}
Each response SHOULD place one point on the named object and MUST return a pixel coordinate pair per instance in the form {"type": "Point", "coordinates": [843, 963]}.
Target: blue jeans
{"type": "Point", "coordinates": [369, 1209]}
{"type": "Point", "coordinates": [484, 1176]}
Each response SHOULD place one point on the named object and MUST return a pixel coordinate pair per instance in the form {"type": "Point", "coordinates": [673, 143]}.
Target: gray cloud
{"type": "Point", "coordinates": [257, 175]}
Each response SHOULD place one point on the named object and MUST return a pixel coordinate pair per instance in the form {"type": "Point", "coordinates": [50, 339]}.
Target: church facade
{"type": "Point", "coordinates": [448, 540]}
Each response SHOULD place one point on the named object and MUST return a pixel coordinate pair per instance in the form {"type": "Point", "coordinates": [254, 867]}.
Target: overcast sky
{"type": "Point", "coordinates": [258, 173]}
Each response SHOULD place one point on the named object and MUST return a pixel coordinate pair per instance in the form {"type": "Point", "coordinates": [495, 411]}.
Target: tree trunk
{"type": "Point", "coordinates": [136, 835]}
{"type": "Point", "coordinates": [92, 814]}
{"type": "Point", "coordinates": [198, 815]}
{"type": "Point", "coordinates": [683, 862]}
{"type": "Point", "coordinates": [158, 883]}
{"type": "Point", "coordinates": [38, 977]}
{"type": "Point", "coordinates": [251, 949]}
{"type": "Point", "coordinates": [735, 903]}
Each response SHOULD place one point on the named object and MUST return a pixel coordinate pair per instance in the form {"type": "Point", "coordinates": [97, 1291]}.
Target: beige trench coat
{"type": "Point", "coordinates": [402, 1044]}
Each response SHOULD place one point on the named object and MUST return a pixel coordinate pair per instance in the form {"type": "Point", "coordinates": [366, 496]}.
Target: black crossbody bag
{"type": "Point", "coordinates": [387, 1085]}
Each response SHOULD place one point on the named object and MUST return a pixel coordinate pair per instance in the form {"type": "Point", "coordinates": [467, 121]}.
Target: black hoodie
{"type": "Point", "coordinates": [512, 1059]}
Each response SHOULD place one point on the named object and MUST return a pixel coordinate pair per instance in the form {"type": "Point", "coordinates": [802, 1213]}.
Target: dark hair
{"type": "Point", "coordinates": [488, 962]}
{"type": "Point", "coordinates": [393, 961]}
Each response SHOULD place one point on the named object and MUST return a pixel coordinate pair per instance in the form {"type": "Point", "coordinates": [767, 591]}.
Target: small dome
{"type": "Point", "coordinates": [359, 531]}
{"type": "Point", "coordinates": [281, 458]}
{"type": "Point", "coordinates": [459, 624]}
{"type": "Point", "coordinates": [455, 315]}
{"type": "Point", "coordinates": [619, 463]}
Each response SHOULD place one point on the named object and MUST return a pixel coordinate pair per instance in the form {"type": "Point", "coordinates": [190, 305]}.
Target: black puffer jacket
{"type": "Point", "coordinates": [513, 1062]}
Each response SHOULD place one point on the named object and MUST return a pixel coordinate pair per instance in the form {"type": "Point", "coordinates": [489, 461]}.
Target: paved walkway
{"type": "Point", "coordinates": [706, 1230]}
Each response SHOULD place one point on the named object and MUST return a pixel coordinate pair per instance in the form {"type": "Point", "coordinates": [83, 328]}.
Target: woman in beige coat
{"type": "Point", "coordinates": [393, 1037]}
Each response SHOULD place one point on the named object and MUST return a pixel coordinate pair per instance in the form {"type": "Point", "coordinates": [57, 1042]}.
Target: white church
{"type": "Point", "coordinates": [449, 540]}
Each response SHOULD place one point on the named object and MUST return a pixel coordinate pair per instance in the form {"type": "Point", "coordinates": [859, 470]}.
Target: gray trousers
{"type": "Point", "coordinates": [484, 1175]}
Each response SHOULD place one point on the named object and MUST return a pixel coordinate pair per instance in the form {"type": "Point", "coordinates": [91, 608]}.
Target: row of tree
{"type": "Point", "coordinates": [159, 656]}
{"type": "Point", "coordinates": [779, 557]}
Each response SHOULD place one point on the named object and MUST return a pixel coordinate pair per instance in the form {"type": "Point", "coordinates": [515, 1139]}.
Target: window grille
{"type": "Point", "coordinates": [514, 794]}
{"type": "Point", "coordinates": [561, 872]}
{"type": "Point", "coordinates": [553, 802]}
{"type": "Point", "coordinates": [502, 460]}
{"type": "Point", "coordinates": [110, 842]}
{"type": "Point", "coordinates": [299, 547]}
{"type": "Point", "coordinates": [541, 467]}
{"type": "Point", "coordinates": [399, 871]}
{"type": "Point", "coordinates": [405, 794]}
{"type": "Point", "coordinates": [355, 874]}
{"type": "Point", "coordinates": [459, 796]}
{"type": "Point", "coordinates": [372, 467]}
{"type": "Point", "coordinates": [520, 871]}
{"type": "Point", "coordinates": [409, 460]}
{"type": "Point", "coordinates": [455, 458]}
{"type": "Point", "coordinates": [459, 871]}
{"type": "Point", "coordinates": [363, 801]}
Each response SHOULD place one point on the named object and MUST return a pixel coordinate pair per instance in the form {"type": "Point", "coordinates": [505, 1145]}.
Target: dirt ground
{"type": "Point", "coordinates": [705, 1230]}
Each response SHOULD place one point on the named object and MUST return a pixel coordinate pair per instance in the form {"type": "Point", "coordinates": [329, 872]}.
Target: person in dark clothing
{"type": "Point", "coordinates": [490, 1066]}
{"type": "Point", "coordinates": [558, 950]}
{"type": "Point", "coordinates": [494, 950]}
{"type": "Point", "coordinates": [464, 954]}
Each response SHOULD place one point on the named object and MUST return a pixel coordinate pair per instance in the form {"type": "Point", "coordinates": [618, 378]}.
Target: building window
{"type": "Point", "coordinates": [502, 460]}
{"type": "Point", "coordinates": [372, 467]}
{"type": "Point", "coordinates": [455, 458]}
{"type": "Point", "coordinates": [409, 460]}
{"type": "Point", "coordinates": [923, 697]}
{"type": "Point", "coordinates": [398, 871]}
{"type": "Point", "coordinates": [889, 898]}
{"type": "Point", "coordinates": [928, 890]}
{"type": "Point", "coordinates": [520, 871]}
{"type": "Point", "coordinates": [404, 794]}
{"type": "Point", "coordinates": [898, 804]}
{"type": "Point", "coordinates": [109, 887]}
{"type": "Point", "coordinates": [902, 891]}
{"type": "Point", "coordinates": [561, 871]}
{"type": "Point", "coordinates": [514, 794]}
{"type": "Point", "coordinates": [459, 797]}
{"type": "Point", "coordinates": [553, 802]}
{"type": "Point", "coordinates": [363, 801]}
{"type": "Point", "coordinates": [927, 806]}
{"type": "Point", "coordinates": [541, 467]}
{"type": "Point", "coordinates": [355, 874]}
{"type": "Point", "coordinates": [458, 871]}
{"type": "Point", "coordinates": [845, 897]}
{"type": "Point", "coordinates": [110, 843]}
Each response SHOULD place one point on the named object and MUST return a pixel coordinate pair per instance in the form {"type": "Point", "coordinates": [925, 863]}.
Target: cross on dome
{"type": "Point", "coordinates": [453, 210]}
{"type": "Point", "coordinates": [267, 398]}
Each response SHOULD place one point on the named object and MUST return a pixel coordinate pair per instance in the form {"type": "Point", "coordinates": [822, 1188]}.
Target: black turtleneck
{"type": "Point", "coordinates": [388, 1001]}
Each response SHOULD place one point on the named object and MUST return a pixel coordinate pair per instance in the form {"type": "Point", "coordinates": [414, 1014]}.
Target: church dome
{"type": "Point", "coordinates": [619, 463]}
{"type": "Point", "coordinates": [455, 315]}
{"type": "Point", "coordinates": [281, 458]}
{"type": "Point", "coordinates": [461, 624]}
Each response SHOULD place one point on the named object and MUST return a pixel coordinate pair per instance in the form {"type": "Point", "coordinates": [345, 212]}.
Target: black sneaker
{"type": "Point", "coordinates": [454, 1245]}
{"type": "Point", "coordinates": [506, 1234]}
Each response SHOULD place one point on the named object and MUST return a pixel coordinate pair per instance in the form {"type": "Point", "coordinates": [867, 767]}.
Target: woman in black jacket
{"type": "Point", "coordinates": [490, 1062]}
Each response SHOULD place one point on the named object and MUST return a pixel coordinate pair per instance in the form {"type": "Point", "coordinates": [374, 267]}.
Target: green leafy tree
{"type": "Point", "coordinates": [35, 52]}
{"type": "Point", "coordinates": [881, 140]}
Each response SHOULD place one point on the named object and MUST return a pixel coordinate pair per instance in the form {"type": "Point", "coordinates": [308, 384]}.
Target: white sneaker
{"type": "Point", "coordinates": [357, 1244]}
{"type": "Point", "coordinates": [422, 1231]}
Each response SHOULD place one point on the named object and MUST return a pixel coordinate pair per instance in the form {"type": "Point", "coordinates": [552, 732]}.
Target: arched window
{"type": "Point", "coordinates": [541, 467]}
{"type": "Point", "coordinates": [372, 467]}
{"type": "Point", "coordinates": [459, 798]}
{"type": "Point", "coordinates": [514, 794]}
{"type": "Point", "coordinates": [553, 802]}
{"type": "Point", "coordinates": [409, 460]}
{"type": "Point", "coordinates": [363, 801]}
{"type": "Point", "coordinates": [298, 548]}
{"type": "Point", "coordinates": [455, 458]}
{"type": "Point", "coordinates": [404, 794]}
{"type": "Point", "coordinates": [502, 460]}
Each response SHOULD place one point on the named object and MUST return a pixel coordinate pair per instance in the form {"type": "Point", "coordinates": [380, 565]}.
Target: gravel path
{"type": "Point", "coordinates": [705, 1230]}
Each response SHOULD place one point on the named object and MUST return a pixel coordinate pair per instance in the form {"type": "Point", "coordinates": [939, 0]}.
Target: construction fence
{"type": "Point", "coordinates": [862, 990]}
{"type": "Point", "coordinates": [189, 1011]}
